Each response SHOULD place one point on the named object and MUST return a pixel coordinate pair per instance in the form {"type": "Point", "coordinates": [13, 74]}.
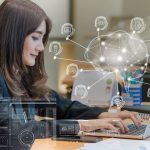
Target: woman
{"type": "Point", "coordinates": [24, 30]}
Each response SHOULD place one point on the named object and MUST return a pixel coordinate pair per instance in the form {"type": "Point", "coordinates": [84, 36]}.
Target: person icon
{"type": "Point", "coordinates": [101, 23]}
{"type": "Point", "coordinates": [137, 24]}
{"type": "Point", "coordinates": [55, 47]}
{"type": "Point", "coordinates": [72, 70]}
{"type": "Point", "coordinates": [81, 91]}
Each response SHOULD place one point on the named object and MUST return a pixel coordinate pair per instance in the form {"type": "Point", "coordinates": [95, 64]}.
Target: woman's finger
{"type": "Point", "coordinates": [119, 123]}
{"type": "Point", "coordinates": [110, 126]}
{"type": "Point", "coordinates": [136, 119]}
{"type": "Point", "coordinates": [134, 116]}
{"type": "Point", "coordinates": [91, 125]}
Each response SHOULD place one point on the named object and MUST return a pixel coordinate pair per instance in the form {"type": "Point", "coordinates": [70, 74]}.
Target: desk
{"type": "Point", "coordinates": [48, 144]}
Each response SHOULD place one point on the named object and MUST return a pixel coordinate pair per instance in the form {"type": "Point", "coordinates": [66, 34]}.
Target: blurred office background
{"type": "Point", "coordinates": [82, 14]}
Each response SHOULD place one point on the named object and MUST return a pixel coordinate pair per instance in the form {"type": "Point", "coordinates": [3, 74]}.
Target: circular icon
{"type": "Point", "coordinates": [72, 70]}
{"type": "Point", "coordinates": [101, 22]}
{"type": "Point", "coordinates": [67, 29]}
{"type": "Point", "coordinates": [137, 24]}
{"type": "Point", "coordinates": [81, 91]}
{"type": "Point", "coordinates": [26, 137]}
{"type": "Point", "coordinates": [55, 47]}
{"type": "Point", "coordinates": [118, 101]}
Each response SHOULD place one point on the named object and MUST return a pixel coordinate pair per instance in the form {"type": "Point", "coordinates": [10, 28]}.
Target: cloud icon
{"type": "Point", "coordinates": [119, 50]}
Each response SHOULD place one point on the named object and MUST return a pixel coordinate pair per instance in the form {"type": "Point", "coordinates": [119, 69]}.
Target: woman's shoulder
{"type": "Point", "coordinates": [53, 94]}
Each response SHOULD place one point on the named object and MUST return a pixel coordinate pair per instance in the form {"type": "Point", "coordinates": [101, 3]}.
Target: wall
{"type": "Point", "coordinates": [84, 17]}
{"type": "Point", "coordinates": [58, 12]}
{"type": "Point", "coordinates": [136, 7]}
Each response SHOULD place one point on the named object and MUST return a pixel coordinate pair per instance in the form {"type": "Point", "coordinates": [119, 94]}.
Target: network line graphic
{"type": "Point", "coordinates": [120, 52]}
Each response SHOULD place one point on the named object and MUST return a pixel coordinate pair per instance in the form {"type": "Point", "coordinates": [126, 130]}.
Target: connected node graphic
{"type": "Point", "coordinates": [121, 51]}
{"type": "Point", "coordinates": [67, 30]}
{"type": "Point", "coordinates": [72, 70]}
{"type": "Point", "coordinates": [124, 53]}
{"type": "Point", "coordinates": [101, 23]}
{"type": "Point", "coordinates": [55, 47]}
{"type": "Point", "coordinates": [81, 91]}
{"type": "Point", "coordinates": [137, 25]}
{"type": "Point", "coordinates": [118, 101]}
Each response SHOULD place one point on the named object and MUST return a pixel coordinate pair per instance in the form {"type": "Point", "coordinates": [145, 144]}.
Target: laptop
{"type": "Point", "coordinates": [134, 133]}
{"type": "Point", "coordinates": [142, 108]}
{"type": "Point", "coordinates": [94, 88]}
{"type": "Point", "coordinates": [146, 87]}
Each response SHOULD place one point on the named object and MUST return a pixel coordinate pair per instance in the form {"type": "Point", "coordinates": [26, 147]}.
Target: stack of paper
{"type": "Point", "coordinates": [118, 144]}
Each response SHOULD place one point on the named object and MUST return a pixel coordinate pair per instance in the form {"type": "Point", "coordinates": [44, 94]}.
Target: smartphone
{"type": "Point", "coordinates": [86, 139]}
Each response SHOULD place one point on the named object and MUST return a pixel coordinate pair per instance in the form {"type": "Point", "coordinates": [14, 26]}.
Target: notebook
{"type": "Point", "coordinates": [94, 88]}
{"type": "Point", "coordinates": [134, 133]}
{"type": "Point", "coordinates": [118, 144]}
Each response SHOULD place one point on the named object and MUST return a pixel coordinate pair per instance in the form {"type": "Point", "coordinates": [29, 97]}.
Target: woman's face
{"type": "Point", "coordinates": [33, 45]}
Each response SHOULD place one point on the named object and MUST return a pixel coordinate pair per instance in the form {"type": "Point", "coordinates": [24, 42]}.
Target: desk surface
{"type": "Point", "coordinates": [48, 144]}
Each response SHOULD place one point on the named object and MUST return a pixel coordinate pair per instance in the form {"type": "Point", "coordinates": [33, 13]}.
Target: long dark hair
{"type": "Point", "coordinates": [19, 18]}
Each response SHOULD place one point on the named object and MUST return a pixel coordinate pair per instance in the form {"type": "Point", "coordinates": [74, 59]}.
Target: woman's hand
{"type": "Point", "coordinates": [134, 116]}
{"type": "Point", "coordinates": [108, 123]}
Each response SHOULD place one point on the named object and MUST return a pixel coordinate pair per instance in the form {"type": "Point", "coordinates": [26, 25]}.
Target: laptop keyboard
{"type": "Point", "coordinates": [133, 130]}
{"type": "Point", "coordinates": [144, 116]}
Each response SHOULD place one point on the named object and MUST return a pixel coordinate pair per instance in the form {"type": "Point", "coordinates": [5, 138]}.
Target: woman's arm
{"type": "Point", "coordinates": [134, 116]}
{"type": "Point", "coordinates": [67, 109]}
{"type": "Point", "coordinates": [107, 123]}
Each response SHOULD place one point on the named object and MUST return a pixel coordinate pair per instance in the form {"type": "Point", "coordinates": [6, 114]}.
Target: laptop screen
{"type": "Point", "coordinates": [94, 88]}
